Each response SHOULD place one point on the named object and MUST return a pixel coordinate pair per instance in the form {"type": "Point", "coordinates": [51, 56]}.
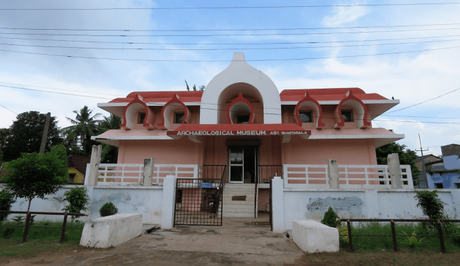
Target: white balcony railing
{"type": "Point", "coordinates": [350, 176]}
{"type": "Point", "coordinates": [132, 174]}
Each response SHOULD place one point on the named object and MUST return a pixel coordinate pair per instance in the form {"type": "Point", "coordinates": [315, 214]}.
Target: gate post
{"type": "Point", "coordinates": [395, 170]}
{"type": "Point", "coordinates": [94, 165]}
{"type": "Point", "coordinates": [148, 171]}
{"type": "Point", "coordinates": [169, 200]}
{"type": "Point", "coordinates": [333, 173]}
{"type": "Point", "coordinates": [277, 204]}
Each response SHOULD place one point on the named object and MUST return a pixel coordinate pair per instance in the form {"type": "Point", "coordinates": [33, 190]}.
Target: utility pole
{"type": "Point", "coordinates": [45, 134]}
{"type": "Point", "coordinates": [423, 164]}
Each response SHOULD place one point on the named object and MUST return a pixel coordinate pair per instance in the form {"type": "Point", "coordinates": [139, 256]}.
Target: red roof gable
{"type": "Point", "coordinates": [162, 96]}
{"type": "Point", "coordinates": [328, 94]}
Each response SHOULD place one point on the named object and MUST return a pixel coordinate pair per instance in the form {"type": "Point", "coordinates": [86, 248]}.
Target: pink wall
{"type": "Point", "coordinates": [264, 199]}
{"type": "Point", "coordinates": [300, 151]}
{"type": "Point", "coordinates": [182, 151]}
{"type": "Point", "coordinates": [215, 150]}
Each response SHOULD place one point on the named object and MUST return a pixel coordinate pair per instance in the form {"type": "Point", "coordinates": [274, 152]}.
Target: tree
{"type": "Point", "coordinates": [25, 135]}
{"type": "Point", "coordinates": [78, 200]}
{"type": "Point", "coordinates": [4, 134]}
{"type": "Point", "coordinates": [406, 156]}
{"type": "Point", "coordinates": [6, 199]}
{"type": "Point", "coordinates": [36, 175]}
{"type": "Point", "coordinates": [78, 135]}
{"type": "Point", "coordinates": [109, 152]}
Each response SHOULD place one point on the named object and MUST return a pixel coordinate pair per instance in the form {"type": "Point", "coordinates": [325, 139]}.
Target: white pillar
{"type": "Point", "coordinates": [94, 165]}
{"type": "Point", "coordinates": [395, 170]}
{"type": "Point", "coordinates": [148, 171]}
{"type": "Point", "coordinates": [278, 205]}
{"type": "Point", "coordinates": [169, 198]}
{"type": "Point", "coordinates": [333, 173]}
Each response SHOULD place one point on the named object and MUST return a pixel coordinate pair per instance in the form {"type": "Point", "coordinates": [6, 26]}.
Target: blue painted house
{"type": "Point", "coordinates": [445, 173]}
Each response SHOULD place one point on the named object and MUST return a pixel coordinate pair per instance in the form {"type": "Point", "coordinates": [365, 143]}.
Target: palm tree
{"type": "Point", "coordinates": [109, 153]}
{"type": "Point", "coordinates": [84, 126]}
{"type": "Point", "coordinates": [201, 88]}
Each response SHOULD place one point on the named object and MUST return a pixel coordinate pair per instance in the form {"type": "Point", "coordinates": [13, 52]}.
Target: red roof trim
{"type": "Point", "coordinates": [240, 99]}
{"type": "Point", "coordinates": [174, 99]}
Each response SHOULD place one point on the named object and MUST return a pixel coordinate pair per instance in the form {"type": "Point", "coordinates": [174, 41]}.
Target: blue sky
{"type": "Point", "coordinates": [408, 50]}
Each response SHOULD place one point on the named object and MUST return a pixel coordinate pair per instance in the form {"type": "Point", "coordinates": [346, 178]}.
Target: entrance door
{"type": "Point", "coordinates": [242, 165]}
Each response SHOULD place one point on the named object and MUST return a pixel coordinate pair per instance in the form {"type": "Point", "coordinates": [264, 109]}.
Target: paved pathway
{"type": "Point", "coordinates": [237, 242]}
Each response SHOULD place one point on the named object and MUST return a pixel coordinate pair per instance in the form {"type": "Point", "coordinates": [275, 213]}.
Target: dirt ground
{"type": "Point", "coordinates": [238, 242]}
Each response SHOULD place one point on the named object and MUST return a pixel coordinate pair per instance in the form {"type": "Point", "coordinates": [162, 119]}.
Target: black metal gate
{"type": "Point", "coordinates": [198, 202]}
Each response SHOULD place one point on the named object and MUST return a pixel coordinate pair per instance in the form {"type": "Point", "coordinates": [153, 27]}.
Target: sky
{"type": "Point", "coordinates": [58, 56]}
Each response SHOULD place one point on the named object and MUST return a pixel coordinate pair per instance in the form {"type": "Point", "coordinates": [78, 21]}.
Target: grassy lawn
{"type": "Point", "coordinates": [414, 257]}
{"type": "Point", "coordinates": [42, 241]}
{"type": "Point", "coordinates": [14, 248]}
{"type": "Point", "coordinates": [410, 237]}
{"type": "Point", "coordinates": [42, 231]}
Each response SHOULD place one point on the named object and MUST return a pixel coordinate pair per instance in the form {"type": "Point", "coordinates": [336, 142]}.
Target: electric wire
{"type": "Point", "coordinates": [422, 102]}
{"type": "Point", "coordinates": [55, 92]}
{"type": "Point", "coordinates": [239, 29]}
{"type": "Point", "coordinates": [44, 87]}
{"type": "Point", "coordinates": [216, 60]}
{"type": "Point", "coordinates": [218, 49]}
{"type": "Point", "coordinates": [229, 43]}
{"type": "Point", "coordinates": [221, 34]}
{"type": "Point", "coordinates": [9, 109]}
{"type": "Point", "coordinates": [231, 7]}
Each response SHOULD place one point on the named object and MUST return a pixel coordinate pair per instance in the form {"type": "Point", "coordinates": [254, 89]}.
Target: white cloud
{"type": "Point", "coordinates": [342, 15]}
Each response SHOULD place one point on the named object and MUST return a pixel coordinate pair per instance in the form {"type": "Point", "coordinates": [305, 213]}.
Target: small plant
{"type": "Point", "coordinates": [78, 200]}
{"type": "Point", "coordinates": [412, 241]}
{"type": "Point", "coordinates": [18, 219]}
{"type": "Point", "coordinates": [343, 232]}
{"type": "Point", "coordinates": [330, 218]}
{"type": "Point", "coordinates": [108, 209]}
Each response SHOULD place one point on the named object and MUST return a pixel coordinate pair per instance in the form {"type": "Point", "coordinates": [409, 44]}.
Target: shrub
{"type": "Point", "coordinates": [331, 218]}
{"type": "Point", "coordinates": [6, 200]}
{"type": "Point", "coordinates": [78, 200]}
{"type": "Point", "coordinates": [108, 209]}
{"type": "Point", "coordinates": [433, 207]}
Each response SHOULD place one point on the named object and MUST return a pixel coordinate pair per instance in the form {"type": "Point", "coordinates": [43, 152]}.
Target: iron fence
{"type": "Point", "coordinates": [28, 218]}
{"type": "Point", "coordinates": [198, 202]}
{"type": "Point", "coordinates": [440, 234]}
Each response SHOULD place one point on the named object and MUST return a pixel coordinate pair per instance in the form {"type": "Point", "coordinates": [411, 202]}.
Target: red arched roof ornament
{"type": "Point", "coordinates": [313, 104]}
{"type": "Point", "coordinates": [169, 108]}
{"type": "Point", "coordinates": [358, 106]}
{"type": "Point", "coordinates": [131, 110]}
{"type": "Point", "coordinates": [239, 102]}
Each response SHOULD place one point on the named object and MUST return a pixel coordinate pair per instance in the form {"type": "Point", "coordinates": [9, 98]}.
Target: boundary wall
{"type": "Point", "coordinates": [303, 204]}
{"type": "Point", "coordinates": [128, 199]}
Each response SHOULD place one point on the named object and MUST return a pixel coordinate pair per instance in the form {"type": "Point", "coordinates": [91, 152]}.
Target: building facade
{"type": "Point", "coordinates": [242, 129]}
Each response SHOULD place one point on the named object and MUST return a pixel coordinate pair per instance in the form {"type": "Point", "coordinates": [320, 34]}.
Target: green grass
{"type": "Point", "coordinates": [417, 242]}
{"type": "Point", "coordinates": [48, 231]}
{"type": "Point", "coordinates": [14, 248]}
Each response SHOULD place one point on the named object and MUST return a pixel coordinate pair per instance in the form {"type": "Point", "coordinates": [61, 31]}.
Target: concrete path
{"type": "Point", "coordinates": [238, 242]}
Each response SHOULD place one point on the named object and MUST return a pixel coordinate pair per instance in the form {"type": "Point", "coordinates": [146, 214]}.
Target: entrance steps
{"type": "Point", "coordinates": [234, 202]}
